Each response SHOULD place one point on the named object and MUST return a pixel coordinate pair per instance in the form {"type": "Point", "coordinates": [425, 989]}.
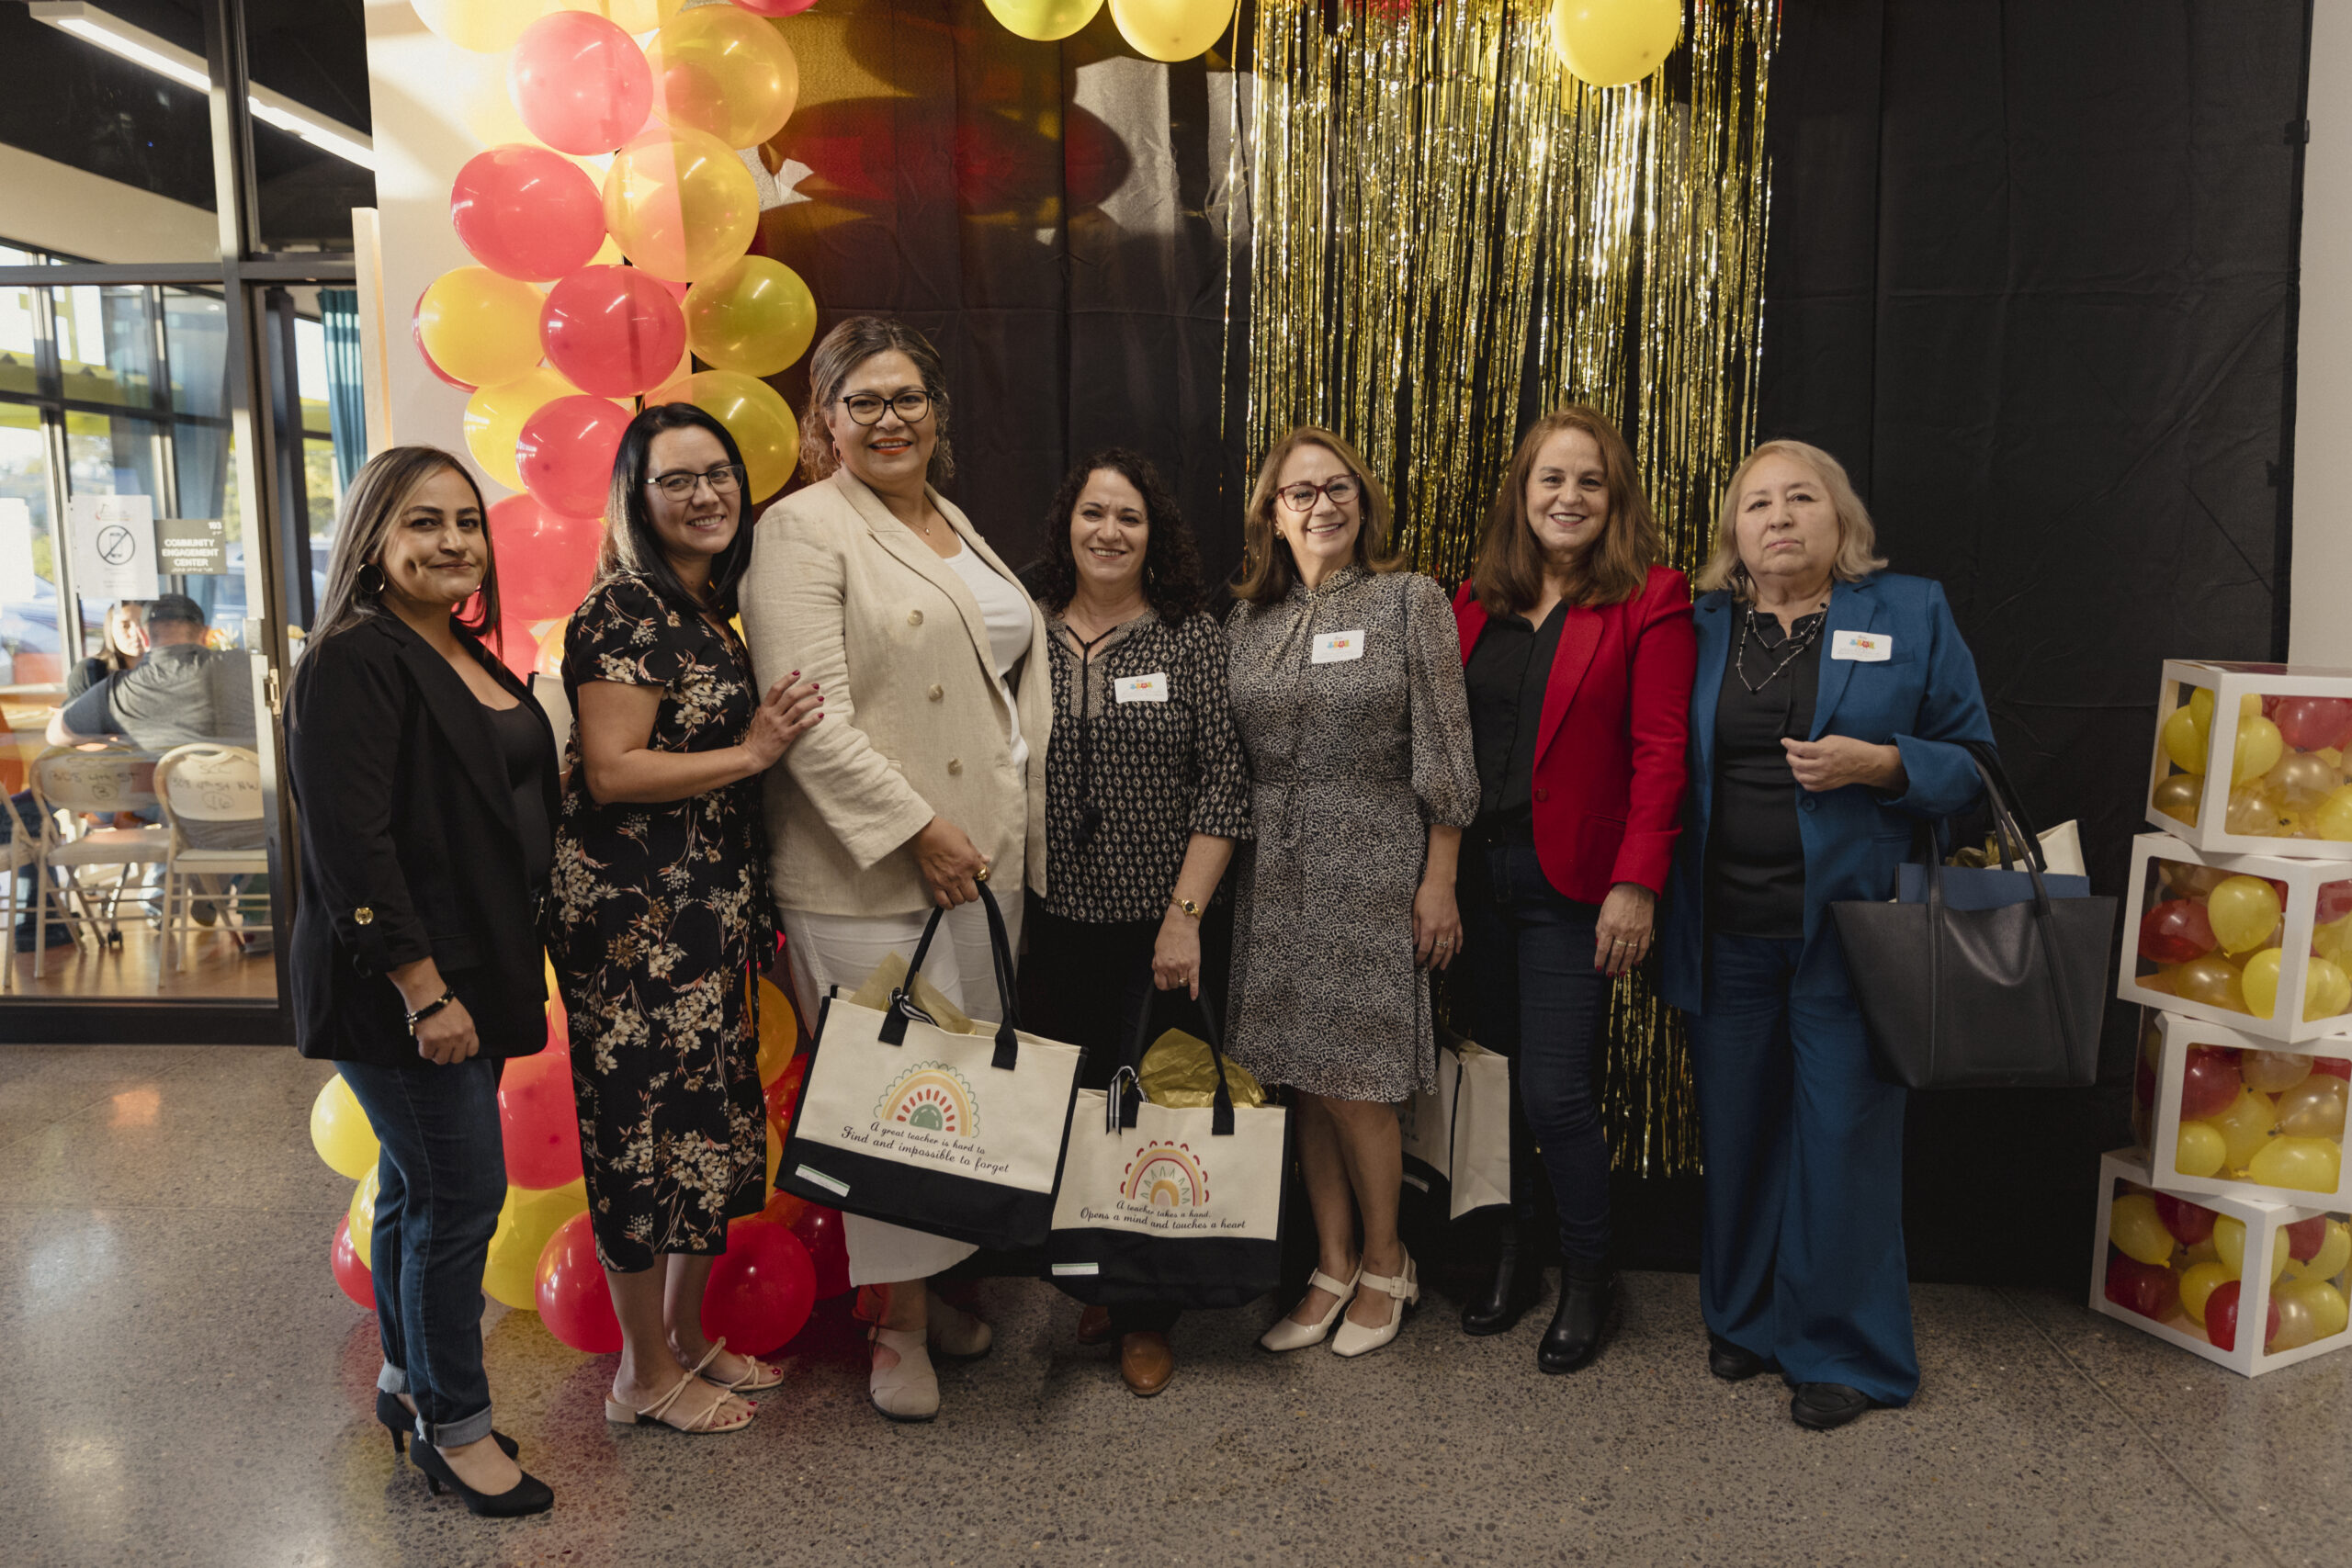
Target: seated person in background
{"type": "Point", "coordinates": [124, 644]}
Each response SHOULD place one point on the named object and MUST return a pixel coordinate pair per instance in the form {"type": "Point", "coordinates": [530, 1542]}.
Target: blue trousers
{"type": "Point", "coordinates": [1801, 1258]}
{"type": "Point", "coordinates": [1539, 1001]}
{"type": "Point", "coordinates": [439, 1183]}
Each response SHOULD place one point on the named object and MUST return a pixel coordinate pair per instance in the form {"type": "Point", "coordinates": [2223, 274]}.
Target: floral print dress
{"type": "Point", "coordinates": [658, 913]}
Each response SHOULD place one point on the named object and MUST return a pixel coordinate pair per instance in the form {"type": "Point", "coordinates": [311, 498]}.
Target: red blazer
{"type": "Point", "coordinates": [1609, 765]}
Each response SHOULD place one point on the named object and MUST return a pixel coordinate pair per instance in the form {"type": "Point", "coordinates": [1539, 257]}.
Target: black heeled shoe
{"type": "Point", "coordinates": [1581, 1325]}
{"type": "Point", "coordinates": [400, 1423]}
{"type": "Point", "coordinates": [528, 1496]}
{"type": "Point", "coordinates": [1735, 1363]}
{"type": "Point", "coordinates": [1511, 1291]}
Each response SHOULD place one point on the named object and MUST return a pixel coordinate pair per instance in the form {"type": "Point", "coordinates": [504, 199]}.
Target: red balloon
{"type": "Point", "coordinates": [821, 1234]}
{"type": "Point", "coordinates": [783, 1095]}
{"type": "Point", "coordinates": [775, 7]}
{"type": "Point", "coordinates": [349, 1272]}
{"type": "Point", "coordinates": [545, 560]}
{"type": "Point", "coordinates": [2305, 1237]}
{"type": "Point", "coordinates": [417, 337]}
{"type": "Point", "coordinates": [2309, 723]}
{"type": "Point", "coordinates": [762, 1289]}
{"type": "Point", "coordinates": [613, 330]}
{"type": "Point", "coordinates": [2210, 1082]}
{"type": "Point", "coordinates": [538, 1121]}
{"type": "Point", "coordinates": [2221, 1316]}
{"type": "Point", "coordinates": [2334, 1067]}
{"type": "Point", "coordinates": [2143, 1082]}
{"type": "Point", "coordinates": [572, 1295]}
{"type": "Point", "coordinates": [526, 212]}
{"type": "Point", "coordinates": [782, 1209]}
{"type": "Point", "coordinates": [2147, 1289]}
{"type": "Point", "coordinates": [2334, 901]}
{"type": "Point", "coordinates": [566, 455]}
{"type": "Point", "coordinates": [2176, 932]}
{"type": "Point", "coordinates": [581, 84]}
{"type": "Point", "coordinates": [2190, 1222]}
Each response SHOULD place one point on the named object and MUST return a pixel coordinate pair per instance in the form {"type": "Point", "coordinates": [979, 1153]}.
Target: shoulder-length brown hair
{"type": "Point", "coordinates": [371, 509]}
{"type": "Point", "coordinates": [1508, 575]}
{"type": "Point", "coordinates": [1267, 570]}
{"type": "Point", "coordinates": [1857, 554]}
{"type": "Point", "coordinates": [851, 343]}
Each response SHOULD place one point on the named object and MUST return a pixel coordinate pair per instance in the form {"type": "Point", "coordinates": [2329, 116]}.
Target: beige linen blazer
{"type": "Point", "coordinates": [914, 722]}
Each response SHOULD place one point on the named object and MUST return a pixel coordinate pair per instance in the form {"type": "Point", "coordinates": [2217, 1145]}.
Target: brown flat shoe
{"type": "Point", "coordinates": [1094, 1326]}
{"type": "Point", "coordinates": [1146, 1362]}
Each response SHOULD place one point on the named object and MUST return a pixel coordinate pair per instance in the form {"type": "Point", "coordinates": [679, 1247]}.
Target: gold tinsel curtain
{"type": "Point", "coordinates": [1449, 235]}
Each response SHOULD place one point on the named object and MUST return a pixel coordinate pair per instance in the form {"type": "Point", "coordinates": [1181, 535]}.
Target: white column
{"type": "Point", "coordinates": [2321, 628]}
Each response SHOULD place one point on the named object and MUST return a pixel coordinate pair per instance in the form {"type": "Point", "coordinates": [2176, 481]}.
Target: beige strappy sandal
{"type": "Point", "coordinates": [713, 1418]}
{"type": "Point", "coordinates": [761, 1376]}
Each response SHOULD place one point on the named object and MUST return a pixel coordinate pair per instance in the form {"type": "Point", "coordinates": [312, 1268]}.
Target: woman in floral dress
{"type": "Point", "coordinates": [662, 912]}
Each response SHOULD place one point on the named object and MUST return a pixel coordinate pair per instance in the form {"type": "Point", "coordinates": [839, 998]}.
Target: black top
{"type": "Point", "coordinates": [523, 741]}
{"type": "Point", "coordinates": [1142, 756]}
{"type": "Point", "coordinates": [1755, 857]}
{"type": "Point", "coordinates": [1510, 668]}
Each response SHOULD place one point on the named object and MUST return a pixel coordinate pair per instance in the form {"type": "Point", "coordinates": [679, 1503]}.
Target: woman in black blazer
{"type": "Point", "coordinates": [424, 782]}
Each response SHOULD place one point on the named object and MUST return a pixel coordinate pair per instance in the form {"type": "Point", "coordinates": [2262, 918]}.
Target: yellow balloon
{"type": "Point", "coordinates": [2176, 797]}
{"type": "Point", "coordinates": [2200, 1150]}
{"type": "Point", "coordinates": [2200, 703]}
{"type": "Point", "coordinates": [2313, 1108]}
{"type": "Point", "coordinates": [2243, 911]}
{"type": "Point", "coordinates": [2327, 989]}
{"type": "Point", "coordinates": [2259, 980]}
{"type": "Point", "coordinates": [2256, 809]}
{"type": "Point", "coordinates": [2185, 740]}
{"type": "Point", "coordinates": [2134, 1226]}
{"type": "Point", "coordinates": [2203, 1252]}
{"type": "Point", "coordinates": [775, 1150]}
{"type": "Point", "coordinates": [1171, 29]}
{"type": "Point", "coordinates": [680, 202]}
{"type": "Point", "coordinates": [2333, 1257]}
{"type": "Point", "coordinates": [777, 1035]}
{"type": "Point", "coordinates": [341, 1132]}
{"type": "Point", "coordinates": [486, 27]}
{"type": "Point", "coordinates": [525, 1221]}
{"type": "Point", "coordinates": [1043, 21]}
{"type": "Point", "coordinates": [2333, 818]}
{"type": "Point", "coordinates": [363, 1218]}
{"type": "Point", "coordinates": [1611, 42]}
{"type": "Point", "coordinates": [2304, 1164]}
{"type": "Point", "coordinates": [2229, 1241]}
{"type": "Point", "coordinates": [494, 418]}
{"type": "Point", "coordinates": [2212, 979]}
{"type": "Point", "coordinates": [2332, 941]}
{"type": "Point", "coordinates": [2296, 1326]}
{"type": "Point", "coordinates": [2323, 1302]}
{"type": "Point", "coordinates": [480, 326]}
{"type": "Point", "coordinates": [2198, 1281]}
{"type": "Point", "coordinates": [755, 316]}
{"type": "Point", "coordinates": [629, 15]}
{"type": "Point", "coordinates": [2303, 779]}
{"type": "Point", "coordinates": [2259, 747]}
{"type": "Point", "coordinates": [720, 69]}
{"type": "Point", "coordinates": [2244, 1126]}
{"type": "Point", "coordinates": [754, 414]}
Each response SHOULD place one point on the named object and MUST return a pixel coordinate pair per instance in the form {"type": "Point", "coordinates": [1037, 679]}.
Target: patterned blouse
{"type": "Point", "coordinates": [1143, 755]}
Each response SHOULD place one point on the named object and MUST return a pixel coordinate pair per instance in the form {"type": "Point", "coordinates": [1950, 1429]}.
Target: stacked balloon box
{"type": "Point", "coordinates": [2226, 1231]}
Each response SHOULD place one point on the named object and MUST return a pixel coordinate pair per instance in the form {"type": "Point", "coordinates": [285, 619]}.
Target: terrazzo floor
{"type": "Point", "coordinates": [185, 1384]}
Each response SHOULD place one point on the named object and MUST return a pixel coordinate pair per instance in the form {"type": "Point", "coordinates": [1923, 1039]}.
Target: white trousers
{"type": "Point", "coordinates": [840, 950]}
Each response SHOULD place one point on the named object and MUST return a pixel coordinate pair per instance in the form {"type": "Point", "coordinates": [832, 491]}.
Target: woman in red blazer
{"type": "Point", "coordinates": [1579, 651]}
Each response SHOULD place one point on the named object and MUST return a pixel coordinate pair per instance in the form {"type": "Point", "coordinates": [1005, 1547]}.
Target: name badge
{"type": "Point", "coordinates": [1152, 688]}
{"type": "Point", "coordinates": [1336, 647]}
{"type": "Point", "coordinates": [1867, 647]}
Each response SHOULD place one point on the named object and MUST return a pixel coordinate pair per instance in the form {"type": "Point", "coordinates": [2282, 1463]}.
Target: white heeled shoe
{"type": "Point", "coordinates": [910, 1391]}
{"type": "Point", "coordinates": [1290, 1335]}
{"type": "Point", "coordinates": [1403, 1290]}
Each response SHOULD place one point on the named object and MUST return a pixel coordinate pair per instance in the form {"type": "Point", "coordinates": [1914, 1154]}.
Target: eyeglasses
{"type": "Point", "coordinates": [867, 408]}
{"type": "Point", "coordinates": [1301, 497]}
{"type": "Point", "coordinates": [724, 480]}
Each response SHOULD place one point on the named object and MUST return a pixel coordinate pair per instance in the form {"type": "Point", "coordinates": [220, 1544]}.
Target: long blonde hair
{"type": "Point", "coordinates": [1857, 554]}
{"type": "Point", "coordinates": [1267, 570]}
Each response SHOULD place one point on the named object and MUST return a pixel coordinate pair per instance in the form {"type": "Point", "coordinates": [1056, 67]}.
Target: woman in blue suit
{"type": "Point", "coordinates": [1830, 714]}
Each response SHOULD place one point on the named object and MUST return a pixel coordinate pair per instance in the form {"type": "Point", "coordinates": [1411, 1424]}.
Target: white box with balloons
{"type": "Point", "coordinates": [2192, 1271]}
{"type": "Point", "coordinates": [2222, 938]}
{"type": "Point", "coordinates": [2250, 759]}
{"type": "Point", "coordinates": [2225, 1112]}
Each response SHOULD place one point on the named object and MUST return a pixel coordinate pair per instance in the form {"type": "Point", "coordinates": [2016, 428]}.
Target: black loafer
{"type": "Point", "coordinates": [1734, 1364]}
{"type": "Point", "coordinates": [1819, 1406]}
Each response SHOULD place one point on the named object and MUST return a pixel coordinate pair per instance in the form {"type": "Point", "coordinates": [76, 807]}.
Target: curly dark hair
{"type": "Point", "coordinates": [1171, 560]}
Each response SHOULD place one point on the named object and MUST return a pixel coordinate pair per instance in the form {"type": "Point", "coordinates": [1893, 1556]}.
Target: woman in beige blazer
{"type": "Point", "coordinates": [930, 765]}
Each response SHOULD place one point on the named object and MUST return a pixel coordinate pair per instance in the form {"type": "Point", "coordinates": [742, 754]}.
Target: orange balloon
{"type": "Point", "coordinates": [719, 69]}
{"type": "Point", "coordinates": [754, 414]}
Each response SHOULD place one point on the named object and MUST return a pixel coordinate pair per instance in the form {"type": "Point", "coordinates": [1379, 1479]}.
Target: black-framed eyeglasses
{"type": "Point", "coordinates": [723, 480]}
{"type": "Point", "coordinates": [1341, 487]}
{"type": "Point", "coordinates": [866, 407]}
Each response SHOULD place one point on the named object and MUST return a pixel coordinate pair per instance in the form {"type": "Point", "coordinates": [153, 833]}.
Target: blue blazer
{"type": "Point", "coordinates": [1923, 699]}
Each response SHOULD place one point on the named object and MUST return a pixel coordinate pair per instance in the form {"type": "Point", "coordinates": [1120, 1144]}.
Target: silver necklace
{"type": "Point", "coordinates": [1795, 644]}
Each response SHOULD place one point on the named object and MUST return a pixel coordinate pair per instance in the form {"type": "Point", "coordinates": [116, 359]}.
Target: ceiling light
{"type": "Point", "coordinates": [164, 58]}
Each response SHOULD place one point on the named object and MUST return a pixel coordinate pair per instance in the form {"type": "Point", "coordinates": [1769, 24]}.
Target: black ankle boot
{"type": "Point", "coordinates": [1513, 1289]}
{"type": "Point", "coordinates": [1587, 1311]}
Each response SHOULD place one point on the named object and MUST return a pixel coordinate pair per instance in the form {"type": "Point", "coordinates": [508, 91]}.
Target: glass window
{"type": "Point", "coordinates": [106, 344]}
{"type": "Point", "coordinates": [30, 643]}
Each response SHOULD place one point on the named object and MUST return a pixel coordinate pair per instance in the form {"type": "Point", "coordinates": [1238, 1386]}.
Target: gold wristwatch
{"type": "Point", "coordinates": [1189, 906]}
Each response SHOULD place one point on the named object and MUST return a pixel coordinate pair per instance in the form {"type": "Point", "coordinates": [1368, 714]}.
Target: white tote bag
{"type": "Point", "coordinates": [958, 1135]}
{"type": "Point", "coordinates": [1458, 1135]}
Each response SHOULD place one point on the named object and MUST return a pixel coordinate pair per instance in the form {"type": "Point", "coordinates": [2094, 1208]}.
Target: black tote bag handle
{"type": "Point", "coordinates": [1988, 757]}
{"type": "Point", "coordinates": [902, 1006]}
{"type": "Point", "coordinates": [1126, 1084]}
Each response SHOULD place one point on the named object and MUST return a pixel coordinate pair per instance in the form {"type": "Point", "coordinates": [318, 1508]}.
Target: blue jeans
{"type": "Point", "coordinates": [1801, 1255]}
{"type": "Point", "coordinates": [1539, 1001]}
{"type": "Point", "coordinates": [439, 1184]}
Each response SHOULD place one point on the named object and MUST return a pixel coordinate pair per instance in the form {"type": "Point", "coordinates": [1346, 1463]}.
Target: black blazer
{"type": "Point", "coordinates": [410, 848]}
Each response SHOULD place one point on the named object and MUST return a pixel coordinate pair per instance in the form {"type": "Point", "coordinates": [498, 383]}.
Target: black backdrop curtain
{"type": "Point", "coordinates": [2032, 279]}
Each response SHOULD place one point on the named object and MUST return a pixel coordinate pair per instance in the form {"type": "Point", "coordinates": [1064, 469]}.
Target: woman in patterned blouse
{"type": "Point", "coordinates": [1145, 792]}
{"type": "Point", "coordinates": [661, 907]}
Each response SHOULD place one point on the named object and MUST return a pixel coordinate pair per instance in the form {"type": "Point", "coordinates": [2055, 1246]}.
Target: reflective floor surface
{"type": "Point", "coordinates": [185, 1385]}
